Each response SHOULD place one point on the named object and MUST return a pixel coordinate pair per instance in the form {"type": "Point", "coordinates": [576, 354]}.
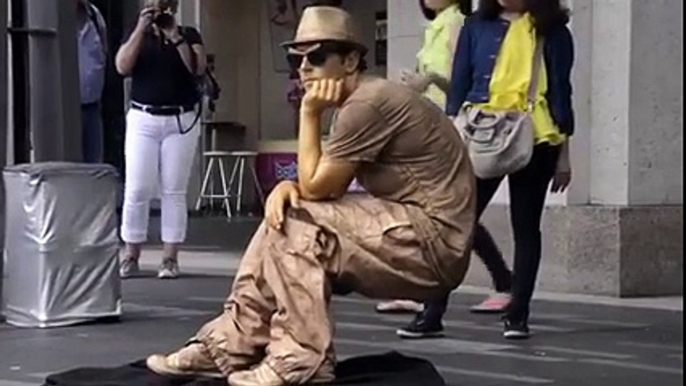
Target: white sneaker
{"type": "Point", "coordinates": [129, 268]}
{"type": "Point", "coordinates": [169, 269]}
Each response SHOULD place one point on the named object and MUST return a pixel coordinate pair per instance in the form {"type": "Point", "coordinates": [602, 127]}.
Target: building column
{"type": "Point", "coordinates": [4, 94]}
{"type": "Point", "coordinates": [626, 240]}
{"type": "Point", "coordinates": [405, 31]}
{"type": "Point", "coordinates": [4, 125]}
{"type": "Point", "coordinates": [189, 13]}
{"type": "Point", "coordinates": [54, 81]}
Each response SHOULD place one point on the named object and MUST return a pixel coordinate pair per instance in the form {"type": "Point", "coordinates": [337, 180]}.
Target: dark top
{"type": "Point", "coordinates": [160, 78]}
{"type": "Point", "coordinates": [475, 59]}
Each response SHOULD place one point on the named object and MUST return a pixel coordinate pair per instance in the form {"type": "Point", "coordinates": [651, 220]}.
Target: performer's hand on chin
{"type": "Point", "coordinates": [286, 193]}
{"type": "Point", "coordinates": [321, 95]}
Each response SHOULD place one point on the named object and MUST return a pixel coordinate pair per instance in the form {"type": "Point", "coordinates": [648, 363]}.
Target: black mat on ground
{"type": "Point", "coordinates": [391, 369]}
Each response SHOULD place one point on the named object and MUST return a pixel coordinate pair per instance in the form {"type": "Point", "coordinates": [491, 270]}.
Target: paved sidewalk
{"type": "Point", "coordinates": [225, 263]}
{"type": "Point", "coordinates": [579, 340]}
{"type": "Point", "coordinates": [197, 262]}
{"type": "Point", "coordinates": [215, 247]}
{"type": "Point", "coordinates": [574, 344]}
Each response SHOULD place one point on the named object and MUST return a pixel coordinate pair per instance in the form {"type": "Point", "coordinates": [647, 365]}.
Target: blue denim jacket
{"type": "Point", "coordinates": [475, 60]}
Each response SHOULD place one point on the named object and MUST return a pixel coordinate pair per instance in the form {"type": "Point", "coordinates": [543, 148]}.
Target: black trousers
{"type": "Point", "coordinates": [528, 192]}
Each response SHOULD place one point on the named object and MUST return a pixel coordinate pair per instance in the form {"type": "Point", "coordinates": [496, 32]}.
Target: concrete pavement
{"type": "Point", "coordinates": [579, 339]}
{"type": "Point", "coordinates": [575, 343]}
{"type": "Point", "coordinates": [225, 263]}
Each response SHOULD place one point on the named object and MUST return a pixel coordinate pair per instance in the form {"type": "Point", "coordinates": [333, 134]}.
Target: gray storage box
{"type": "Point", "coordinates": [61, 244]}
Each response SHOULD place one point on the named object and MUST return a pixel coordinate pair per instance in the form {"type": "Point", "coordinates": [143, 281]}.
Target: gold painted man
{"type": "Point", "coordinates": [410, 238]}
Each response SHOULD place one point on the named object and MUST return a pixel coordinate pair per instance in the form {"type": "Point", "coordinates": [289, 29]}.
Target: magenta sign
{"type": "Point", "coordinates": [273, 168]}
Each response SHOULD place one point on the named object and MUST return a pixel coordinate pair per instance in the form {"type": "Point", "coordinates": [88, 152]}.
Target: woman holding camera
{"type": "Point", "coordinates": [164, 62]}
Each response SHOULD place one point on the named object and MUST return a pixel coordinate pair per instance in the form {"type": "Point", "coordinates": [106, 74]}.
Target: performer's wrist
{"type": "Point", "coordinates": [310, 112]}
{"type": "Point", "coordinates": [287, 184]}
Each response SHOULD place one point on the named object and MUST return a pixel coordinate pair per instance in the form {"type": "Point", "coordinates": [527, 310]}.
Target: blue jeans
{"type": "Point", "coordinates": [92, 143]}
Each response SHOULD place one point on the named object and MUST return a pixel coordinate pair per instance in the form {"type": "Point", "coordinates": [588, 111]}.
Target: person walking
{"type": "Point", "coordinates": [494, 71]}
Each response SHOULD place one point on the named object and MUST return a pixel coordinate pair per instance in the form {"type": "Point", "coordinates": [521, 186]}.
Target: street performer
{"type": "Point", "coordinates": [410, 238]}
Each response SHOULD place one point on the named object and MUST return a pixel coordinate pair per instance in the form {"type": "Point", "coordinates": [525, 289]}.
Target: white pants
{"type": "Point", "coordinates": [157, 153]}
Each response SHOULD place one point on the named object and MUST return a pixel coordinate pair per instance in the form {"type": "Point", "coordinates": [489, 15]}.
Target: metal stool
{"type": "Point", "coordinates": [227, 187]}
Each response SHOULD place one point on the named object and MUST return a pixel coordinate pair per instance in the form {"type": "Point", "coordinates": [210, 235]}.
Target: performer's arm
{"type": "Point", "coordinates": [361, 133]}
{"type": "Point", "coordinates": [319, 178]}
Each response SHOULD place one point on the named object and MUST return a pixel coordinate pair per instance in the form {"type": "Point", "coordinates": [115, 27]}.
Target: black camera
{"type": "Point", "coordinates": [164, 20]}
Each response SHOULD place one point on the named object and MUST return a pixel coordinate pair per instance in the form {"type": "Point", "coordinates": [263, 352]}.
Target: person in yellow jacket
{"type": "Point", "coordinates": [435, 59]}
{"type": "Point", "coordinates": [432, 78]}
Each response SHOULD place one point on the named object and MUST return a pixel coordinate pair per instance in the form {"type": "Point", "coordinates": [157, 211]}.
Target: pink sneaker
{"type": "Point", "coordinates": [399, 307]}
{"type": "Point", "coordinates": [496, 304]}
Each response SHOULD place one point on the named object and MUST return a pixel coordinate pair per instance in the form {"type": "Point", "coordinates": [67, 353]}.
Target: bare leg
{"type": "Point", "coordinates": [169, 269]}
{"type": "Point", "coordinates": [132, 252]}
{"type": "Point", "coordinates": [171, 251]}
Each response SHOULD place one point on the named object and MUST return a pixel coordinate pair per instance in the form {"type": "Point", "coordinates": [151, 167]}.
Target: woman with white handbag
{"type": "Point", "coordinates": [511, 93]}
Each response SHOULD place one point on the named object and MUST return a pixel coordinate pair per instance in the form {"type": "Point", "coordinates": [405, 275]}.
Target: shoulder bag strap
{"type": "Point", "coordinates": [194, 56]}
{"type": "Point", "coordinates": [536, 74]}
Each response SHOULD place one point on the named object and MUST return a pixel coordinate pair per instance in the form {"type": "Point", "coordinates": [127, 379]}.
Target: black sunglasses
{"type": "Point", "coordinates": [316, 58]}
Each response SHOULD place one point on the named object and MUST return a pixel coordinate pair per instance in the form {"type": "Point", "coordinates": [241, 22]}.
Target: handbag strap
{"type": "Point", "coordinates": [536, 75]}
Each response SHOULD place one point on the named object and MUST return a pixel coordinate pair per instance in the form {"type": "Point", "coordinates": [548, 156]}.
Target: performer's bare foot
{"type": "Point", "coordinates": [265, 375]}
{"type": "Point", "coordinates": [189, 361]}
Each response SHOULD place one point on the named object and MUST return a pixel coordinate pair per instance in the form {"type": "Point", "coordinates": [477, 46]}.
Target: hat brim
{"type": "Point", "coordinates": [292, 43]}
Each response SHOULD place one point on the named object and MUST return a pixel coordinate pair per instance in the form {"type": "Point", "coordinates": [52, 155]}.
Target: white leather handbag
{"type": "Point", "coordinates": [501, 142]}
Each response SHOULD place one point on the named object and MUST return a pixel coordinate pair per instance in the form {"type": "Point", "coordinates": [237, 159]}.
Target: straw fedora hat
{"type": "Point", "coordinates": [322, 23]}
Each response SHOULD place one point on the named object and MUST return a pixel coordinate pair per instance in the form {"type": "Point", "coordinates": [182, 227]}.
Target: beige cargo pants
{"type": "Point", "coordinates": [278, 310]}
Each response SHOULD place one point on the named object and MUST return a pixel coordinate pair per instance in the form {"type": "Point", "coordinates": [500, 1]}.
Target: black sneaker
{"type": "Point", "coordinates": [422, 328]}
{"type": "Point", "coordinates": [516, 330]}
